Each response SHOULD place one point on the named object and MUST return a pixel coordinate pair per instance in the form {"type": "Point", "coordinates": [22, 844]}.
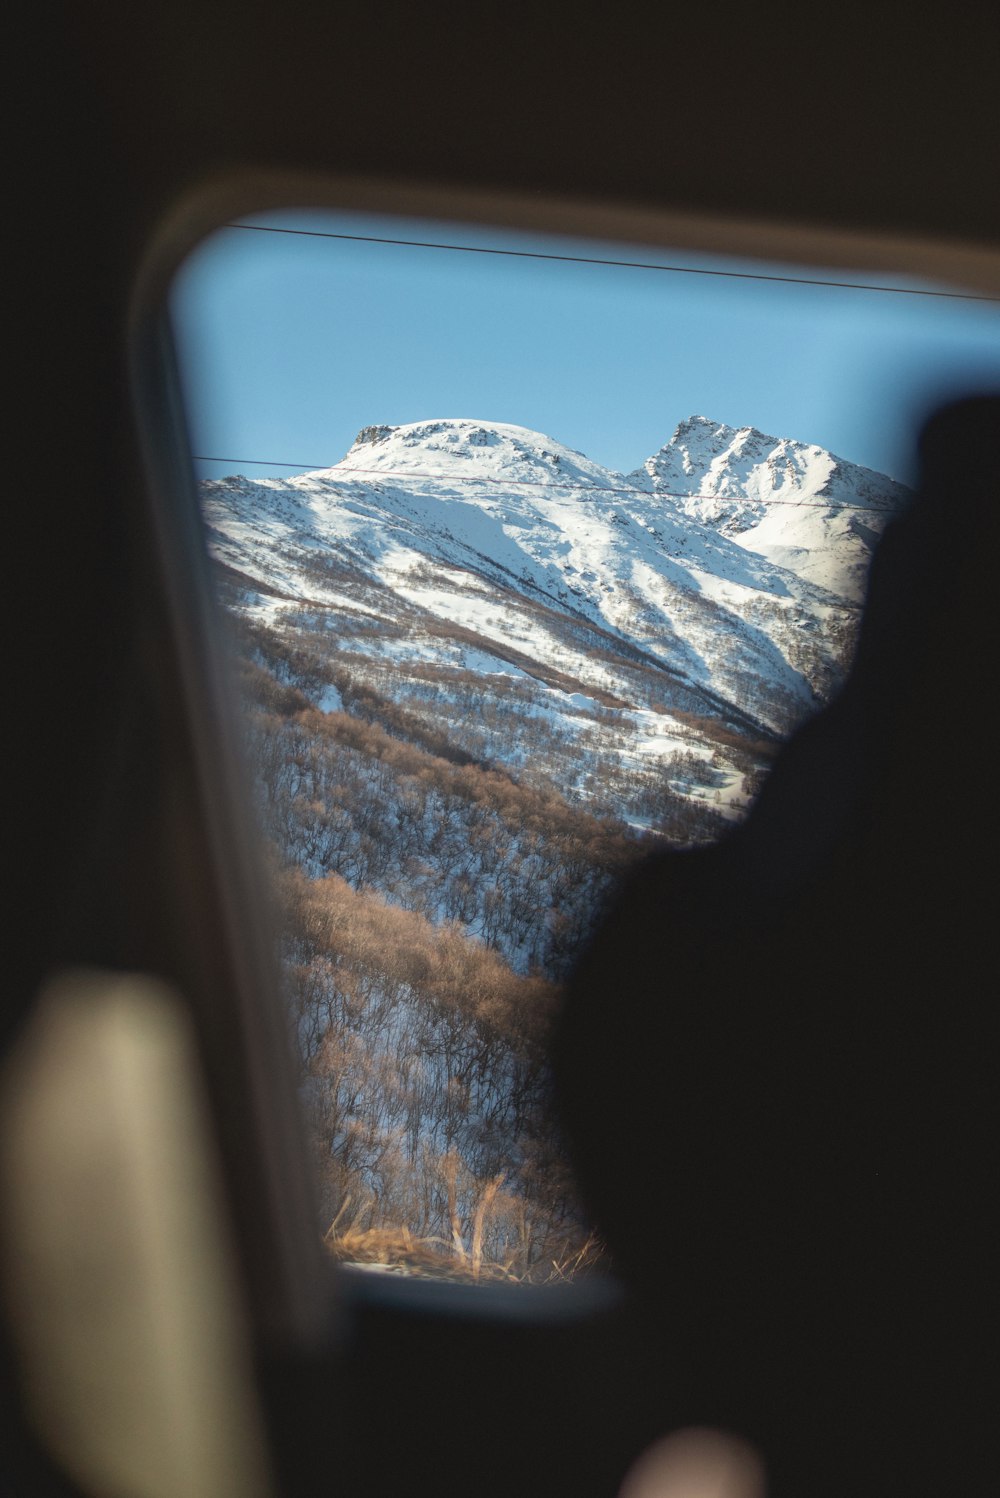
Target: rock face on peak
{"type": "Point", "coordinates": [368, 436]}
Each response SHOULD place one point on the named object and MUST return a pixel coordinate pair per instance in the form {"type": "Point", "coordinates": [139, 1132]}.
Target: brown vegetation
{"type": "Point", "coordinates": [430, 897]}
{"type": "Point", "coordinates": [422, 1059]}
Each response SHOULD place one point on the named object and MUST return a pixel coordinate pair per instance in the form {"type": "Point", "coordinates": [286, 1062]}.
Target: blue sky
{"type": "Point", "coordinates": [290, 344]}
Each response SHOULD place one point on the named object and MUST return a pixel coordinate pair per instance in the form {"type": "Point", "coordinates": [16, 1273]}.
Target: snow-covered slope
{"type": "Point", "coordinates": [718, 584]}
{"type": "Point", "coordinates": [486, 450]}
{"type": "Point", "coordinates": [793, 503]}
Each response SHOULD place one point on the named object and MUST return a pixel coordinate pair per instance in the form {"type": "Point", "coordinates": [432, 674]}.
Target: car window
{"type": "Point", "coordinates": [532, 553]}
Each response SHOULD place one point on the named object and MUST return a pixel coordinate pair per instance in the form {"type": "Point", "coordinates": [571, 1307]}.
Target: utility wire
{"type": "Point", "coordinates": [676, 270]}
{"type": "Point", "coordinates": [263, 463]}
{"type": "Point", "coordinates": [337, 474]}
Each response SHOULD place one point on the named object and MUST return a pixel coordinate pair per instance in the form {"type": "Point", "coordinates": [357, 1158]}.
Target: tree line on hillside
{"type": "Point", "coordinates": [363, 794]}
{"type": "Point", "coordinates": [518, 867]}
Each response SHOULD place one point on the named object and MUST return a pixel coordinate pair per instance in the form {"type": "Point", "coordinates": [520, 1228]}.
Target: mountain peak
{"type": "Point", "coordinates": [702, 427]}
{"type": "Point", "coordinates": [466, 448]}
{"type": "Point", "coordinates": [702, 435]}
{"type": "Point", "coordinates": [707, 459]}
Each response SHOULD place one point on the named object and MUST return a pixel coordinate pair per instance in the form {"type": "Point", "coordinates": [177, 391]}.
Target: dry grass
{"type": "Point", "coordinates": [398, 1249]}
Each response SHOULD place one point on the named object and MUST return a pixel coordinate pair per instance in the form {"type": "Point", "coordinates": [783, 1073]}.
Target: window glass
{"type": "Point", "coordinates": [533, 551]}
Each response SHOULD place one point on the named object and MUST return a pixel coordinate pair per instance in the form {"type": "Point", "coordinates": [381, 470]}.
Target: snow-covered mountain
{"type": "Point", "coordinates": [722, 577]}
{"type": "Point", "coordinates": [794, 503]}
{"type": "Point", "coordinates": [483, 675]}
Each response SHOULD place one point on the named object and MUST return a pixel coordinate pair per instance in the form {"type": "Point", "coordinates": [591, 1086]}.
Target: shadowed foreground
{"type": "Point", "coordinates": [776, 1065]}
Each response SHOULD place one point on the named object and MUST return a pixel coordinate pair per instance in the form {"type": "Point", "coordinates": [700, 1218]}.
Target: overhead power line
{"type": "Point", "coordinates": [340, 474]}
{"type": "Point", "coordinates": [675, 270]}
{"type": "Point", "coordinates": [264, 463]}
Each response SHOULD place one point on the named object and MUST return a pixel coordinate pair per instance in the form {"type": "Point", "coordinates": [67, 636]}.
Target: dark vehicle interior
{"type": "Point", "coordinates": [803, 1055]}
